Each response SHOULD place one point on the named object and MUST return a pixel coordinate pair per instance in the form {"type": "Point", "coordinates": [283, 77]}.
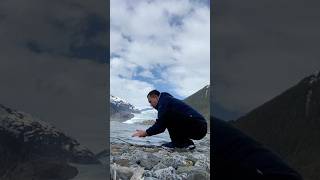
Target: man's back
{"type": "Point", "coordinates": [177, 108]}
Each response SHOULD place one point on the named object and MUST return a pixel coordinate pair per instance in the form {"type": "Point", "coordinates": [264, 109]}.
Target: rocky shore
{"type": "Point", "coordinates": [34, 149]}
{"type": "Point", "coordinates": [133, 162]}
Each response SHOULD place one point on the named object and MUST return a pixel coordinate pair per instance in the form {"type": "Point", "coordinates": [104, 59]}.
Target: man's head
{"type": "Point", "coordinates": [153, 98]}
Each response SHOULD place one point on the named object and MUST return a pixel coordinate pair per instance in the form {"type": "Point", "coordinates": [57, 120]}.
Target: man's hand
{"type": "Point", "coordinates": [140, 133]}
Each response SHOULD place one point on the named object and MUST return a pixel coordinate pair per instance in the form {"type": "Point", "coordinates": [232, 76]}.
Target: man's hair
{"type": "Point", "coordinates": [153, 92]}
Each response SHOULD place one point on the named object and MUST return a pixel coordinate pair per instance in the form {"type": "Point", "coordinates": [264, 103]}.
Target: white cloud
{"type": "Point", "coordinates": [119, 67]}
{"type": "Point", "coordinates": [257, 58]}
{"type": "Point", "coordinates": [194, 58]}
{"type": "Point", "coordinates": [147, 74]}
{"type": "Point", "coordinates": [133, 91]}
{"type": "Point", "coordinates": [52, 84]}
{"type": "Point", "coordinates": [143, 36]}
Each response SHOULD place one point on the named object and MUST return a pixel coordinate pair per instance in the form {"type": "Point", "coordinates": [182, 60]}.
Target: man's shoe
{"type": "Point", "coordinates": [169, 145]}
{"type": "Point", "coordinates": [186, 145]}
{"type": "Point", "coordinates": [191, 147]}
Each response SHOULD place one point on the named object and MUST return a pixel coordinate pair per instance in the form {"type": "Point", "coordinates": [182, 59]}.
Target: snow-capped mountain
{"type": "Point", "coordinates": [122, 103]}
{"type": "Point", "coordinates": [34, 138]}
{"type": "Point", "coordinates": [120, 109]}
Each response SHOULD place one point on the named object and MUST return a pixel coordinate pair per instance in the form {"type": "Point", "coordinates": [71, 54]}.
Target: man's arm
{"type": "Point", "coordinates": [157, 128]}
{"type": "Point", "coordinates": [140, 133]}
{"type": "Point", "coordinates": [160, 125]}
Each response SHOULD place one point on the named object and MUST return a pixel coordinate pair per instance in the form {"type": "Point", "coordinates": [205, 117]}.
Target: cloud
{"type": "Point", "coordinates": [261, 51]}
{"type": "Point", "coordinates": [194, 54]}
{"type": "Point", "coordinates": [52, 65]}
{"type": "Point", "coordinates": [66, 28]}
{"type": "Point", "coordinates": [131, 89]}
{"type": "Point", "coordinates": [160, 44]}
{"type": "Point", "coordinates": [146, 73]}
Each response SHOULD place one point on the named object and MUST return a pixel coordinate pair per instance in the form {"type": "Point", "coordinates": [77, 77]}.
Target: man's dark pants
{"type": "Point", "coordinates": [182, 130]}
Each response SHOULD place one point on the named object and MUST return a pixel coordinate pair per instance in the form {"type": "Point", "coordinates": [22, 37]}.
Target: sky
{"type": "Point", "coordinates": [260, 49]}
{"type": "Point", "coordinates": [159, 44]}
{"type": "Point", "coordinates": [53, 64]}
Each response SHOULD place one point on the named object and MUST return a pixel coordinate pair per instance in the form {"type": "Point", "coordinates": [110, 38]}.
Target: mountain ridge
{"type": "Point", "coordinates": [200, 101]}
{"type": "Point", "coordinates": [289, 123]}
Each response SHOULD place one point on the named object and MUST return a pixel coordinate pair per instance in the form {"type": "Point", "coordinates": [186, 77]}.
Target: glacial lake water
{"type": "Point", "coordinates": [122, 132]}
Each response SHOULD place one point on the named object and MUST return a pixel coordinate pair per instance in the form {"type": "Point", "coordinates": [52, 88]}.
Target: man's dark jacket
{"type": "Point", "coordinates": [171, 109]}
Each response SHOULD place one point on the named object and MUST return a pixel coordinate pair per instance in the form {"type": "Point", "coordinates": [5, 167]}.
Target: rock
{"type": "Point", "coordinates": [198, 174]}
{"type": "Point", "coordinates": [151, 150]}
{"type": "Point", "coordinates": [203, 164]}
{"type": "Point", "coordinates": [175, 161]}
{"type": "Point", "coordinates": [193, 173]}
{"type": "Point", "coordinates": [138, 174]}
{"type": "Point", "coordinates": [150, 178]}
{"type": "Point", "coordinates": [187, 169]}
{"type": "Point", "coordinates": [29, 137]}
{"type": "Point", "coordinates": [116, 149]}
{"type": "Point", "coordinates": [159, 166]}
{"type": "Point", "coordinates": [122, 162]}
{"type": "Point", "coordinates": [166, 173]}
{"type": "Point", "coordinates": [148, 173]}
{"type": "Point", "coordinates": [194, 157]}
{"type": "Point", "coordinates": [189, 163]}
{"type": "Point", "coordinates": [183, 175]}
{"type": "Point", "coordinates": [158, 163]}
{"type": "Point", "coordinates": [163, 153]}
{"type": "Point", "coordinates": [146, 159]}
{"type": "Point", "coordinates": [150, 161]}
{"type": "Point", "coordinates": [42, 169]}
{"type": "Point", "coordinates": [119, 172]}
{"type": "Point", "coordinates": [126, 173]}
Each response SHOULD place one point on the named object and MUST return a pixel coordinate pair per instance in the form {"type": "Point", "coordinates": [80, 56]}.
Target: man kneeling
{"type": "Point", "coordinates": [182, 121]}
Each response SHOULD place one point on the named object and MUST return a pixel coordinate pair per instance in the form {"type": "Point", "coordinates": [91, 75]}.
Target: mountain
{"type": "Point", "coordinates": [200, 101]}
{"type": "Point", "coordinates": [27, 142]}
{"type": "Point", "coordinates": [120, 109]}
{"type": "Point", "coordinates": [290, 125]}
